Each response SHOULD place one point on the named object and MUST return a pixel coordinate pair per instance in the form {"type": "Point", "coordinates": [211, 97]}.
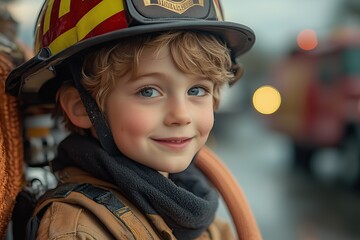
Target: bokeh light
{"type": "Point", "coordinates": [307, 39]}
{"type": "Point", "coordinates": [266, 99]}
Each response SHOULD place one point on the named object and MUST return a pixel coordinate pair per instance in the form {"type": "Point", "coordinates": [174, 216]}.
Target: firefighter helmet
{"type": "Point", "coordinates": [68, 28]}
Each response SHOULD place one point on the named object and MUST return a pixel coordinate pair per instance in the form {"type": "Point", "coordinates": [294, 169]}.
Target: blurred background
{"type": "Point", "coordinates": [289, 129]}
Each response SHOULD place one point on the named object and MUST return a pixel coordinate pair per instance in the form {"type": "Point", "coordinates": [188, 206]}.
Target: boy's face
{"type": "Point", "coordinates": [162, 117]}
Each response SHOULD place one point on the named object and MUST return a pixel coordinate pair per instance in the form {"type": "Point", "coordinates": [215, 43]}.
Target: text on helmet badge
{"type": "Point", "coordinates": [178, 7]}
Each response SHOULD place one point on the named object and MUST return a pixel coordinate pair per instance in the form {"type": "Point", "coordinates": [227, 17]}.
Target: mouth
{"type": "Point", "coordinates": [174, 143]}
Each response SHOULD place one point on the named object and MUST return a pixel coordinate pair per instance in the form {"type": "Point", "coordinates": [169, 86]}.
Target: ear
{"type": "Point", "coordinates": [72, 105]}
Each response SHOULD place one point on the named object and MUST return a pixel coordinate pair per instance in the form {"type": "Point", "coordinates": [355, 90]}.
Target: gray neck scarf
{"type": "Point", "coordinates": [185, 201]}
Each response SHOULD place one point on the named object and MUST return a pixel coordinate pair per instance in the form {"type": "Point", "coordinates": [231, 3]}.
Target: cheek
{"type": "Point", "coordinates": [130, 122]}
{"type": "Point", "coordinates": [206, 120]}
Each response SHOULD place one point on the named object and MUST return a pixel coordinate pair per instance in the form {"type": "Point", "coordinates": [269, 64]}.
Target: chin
{"type": "Point", "coordinates": [175, 168]}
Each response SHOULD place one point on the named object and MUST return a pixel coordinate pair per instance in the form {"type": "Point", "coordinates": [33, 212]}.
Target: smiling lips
{"type": "Point", "coordinates": [174, 143]}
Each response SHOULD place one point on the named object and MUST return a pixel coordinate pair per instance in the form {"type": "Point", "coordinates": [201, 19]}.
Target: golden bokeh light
{"type": "Point", "coordinates": [266, 99]}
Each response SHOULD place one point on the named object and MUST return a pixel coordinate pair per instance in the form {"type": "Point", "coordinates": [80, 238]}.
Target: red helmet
{"type": "Point", "coordinates": [66, 29]}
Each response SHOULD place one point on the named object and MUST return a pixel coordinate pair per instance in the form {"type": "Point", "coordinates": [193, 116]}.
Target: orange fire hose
{"type": "Point", "coordinates": [234, 198]}
{"type": "Point", "coordinates": [11, 148]}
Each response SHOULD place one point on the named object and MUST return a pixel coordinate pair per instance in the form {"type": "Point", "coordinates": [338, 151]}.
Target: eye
{"type": "Point", "coordinates": [149, 92]}
{"type": "Point", "coordinates": [197, 91]}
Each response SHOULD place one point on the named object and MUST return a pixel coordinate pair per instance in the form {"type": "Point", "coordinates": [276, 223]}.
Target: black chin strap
{"type": "Point", "coordinates": [97, 118]}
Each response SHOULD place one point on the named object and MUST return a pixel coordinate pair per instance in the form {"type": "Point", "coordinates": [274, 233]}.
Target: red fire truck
{"type": "Point", "coordinates": [320, 108]}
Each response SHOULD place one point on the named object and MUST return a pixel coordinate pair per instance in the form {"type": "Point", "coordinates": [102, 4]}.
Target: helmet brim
{"type": "Point", "coordinates": [238, 38]}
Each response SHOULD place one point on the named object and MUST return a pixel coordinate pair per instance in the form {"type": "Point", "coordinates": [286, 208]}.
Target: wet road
{"type": "Point", "coordinates": [287, 204]}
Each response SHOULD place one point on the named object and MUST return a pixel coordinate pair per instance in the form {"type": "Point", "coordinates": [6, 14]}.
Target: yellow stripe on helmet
{"type": "Point", "coordinates": [48, 16]}
{"type": "Point", "coordinates": [97, 15]}
{"type": "Point", "coordinates": [64, 7]}
{"type": "Point", "coordinates": [65, 40]}
{"type": "Point", "coordinates": [219, 14]}
{"type": "Point", "coordinates": [104, 10]}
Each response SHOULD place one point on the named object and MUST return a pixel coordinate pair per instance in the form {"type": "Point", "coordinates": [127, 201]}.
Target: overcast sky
{"type": "Point", "coordinates": [275, 22]}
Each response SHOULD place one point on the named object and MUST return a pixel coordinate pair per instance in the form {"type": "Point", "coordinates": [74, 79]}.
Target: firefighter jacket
{"type": "Point", "coordinates": [67, 219]}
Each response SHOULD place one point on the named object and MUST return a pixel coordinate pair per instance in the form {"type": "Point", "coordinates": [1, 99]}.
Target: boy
{"type": "Point", "coordinates": [137, 84]}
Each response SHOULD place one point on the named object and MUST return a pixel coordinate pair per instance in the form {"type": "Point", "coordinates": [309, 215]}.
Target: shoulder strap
{"type": "Point", "coordinates": [93, 199]}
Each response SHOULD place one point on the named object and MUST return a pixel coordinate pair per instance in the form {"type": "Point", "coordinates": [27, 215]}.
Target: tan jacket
{"type": "Point", "coordinates": [70, 221]}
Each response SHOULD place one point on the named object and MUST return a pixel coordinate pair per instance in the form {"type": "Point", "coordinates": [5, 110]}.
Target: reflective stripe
{"type": "Point", "coordinates": [66, 39]}
{"type": "Point", "coordinates": [48, 16]}
{"type": "Point", "coordinates": [218, 10]}
{"type": "Point", "coordinates": [97, 15]}
{"type": "Point", "coordinates": [64, 7]}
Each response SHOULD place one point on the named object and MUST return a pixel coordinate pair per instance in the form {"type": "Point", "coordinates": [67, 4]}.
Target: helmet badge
{"type": "Point", "coordinates": [178, 7]}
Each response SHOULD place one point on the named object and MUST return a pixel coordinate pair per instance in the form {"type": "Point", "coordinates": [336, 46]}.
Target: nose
{"type": "Point", "coordinates": [177, 113]}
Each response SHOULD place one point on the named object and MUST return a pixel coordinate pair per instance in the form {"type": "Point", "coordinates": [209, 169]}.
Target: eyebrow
{"type": "Point", "coordinates": [136, 78]}
{"type": "Point", "coordinates": [163, 76]}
